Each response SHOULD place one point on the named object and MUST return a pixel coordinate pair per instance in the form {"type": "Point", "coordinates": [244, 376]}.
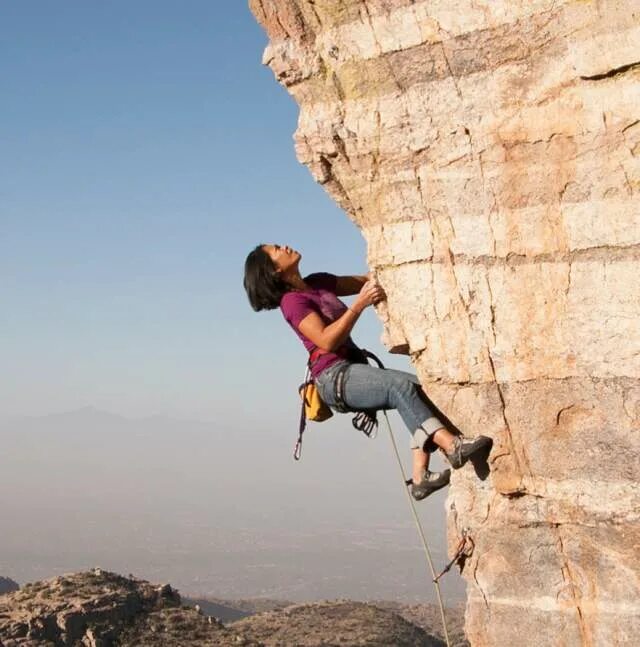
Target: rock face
{"type": "Point", "coordinates": [490, 153]}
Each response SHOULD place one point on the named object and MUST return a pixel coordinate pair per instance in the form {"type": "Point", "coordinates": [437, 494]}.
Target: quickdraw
{"type": "Point", "coordinates": [465, 548]}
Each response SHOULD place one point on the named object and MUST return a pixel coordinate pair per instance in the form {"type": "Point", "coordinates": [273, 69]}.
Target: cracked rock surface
{"type": "Point", "coordinates": [489, 151]}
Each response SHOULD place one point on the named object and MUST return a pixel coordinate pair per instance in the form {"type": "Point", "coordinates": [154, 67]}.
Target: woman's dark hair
{"type": "Point", "coordinates": [262, 282]}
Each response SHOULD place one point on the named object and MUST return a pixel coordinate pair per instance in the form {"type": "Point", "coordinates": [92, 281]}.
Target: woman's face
{"type": "Point", "coordinates": [284, 258]}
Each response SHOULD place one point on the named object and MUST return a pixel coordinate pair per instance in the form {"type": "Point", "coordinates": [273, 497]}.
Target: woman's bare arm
{"type": "Point", "coordinates": [332, 336]}
{"type": "Point", "coordinates": [348, 285]}
{"type": "Point", "coordinates": [335, 334]}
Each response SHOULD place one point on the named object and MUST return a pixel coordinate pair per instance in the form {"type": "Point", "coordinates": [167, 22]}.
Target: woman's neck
{"type": "Point", "coordinates": [297, 282]}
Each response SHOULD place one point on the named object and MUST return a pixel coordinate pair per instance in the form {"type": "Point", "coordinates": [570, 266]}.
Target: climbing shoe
{"type": "Point", "coordinates": [430, 482]}
{"type": "Point", "coordinates": [464, 448]}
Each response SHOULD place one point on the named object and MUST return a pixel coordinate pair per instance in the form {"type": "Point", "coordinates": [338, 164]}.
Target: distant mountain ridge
{"type": "Point", "coordinates": [7, 585]}
{"type": "Point", "coordinates": [98, 607]}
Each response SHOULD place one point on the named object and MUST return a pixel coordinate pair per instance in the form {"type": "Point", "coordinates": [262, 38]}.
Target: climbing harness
{"type": "Point", "coordinates": [313, 407]}
{"type": "Point", "coordinates": [365, 420]}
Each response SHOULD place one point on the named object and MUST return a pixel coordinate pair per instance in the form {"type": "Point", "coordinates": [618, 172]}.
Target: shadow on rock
{"type": "Point", "coordinates": [480, 462]}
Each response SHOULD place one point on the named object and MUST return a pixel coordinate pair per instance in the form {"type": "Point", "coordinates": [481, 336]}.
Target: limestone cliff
{"type": "Point", "coordinates": [490, 153]}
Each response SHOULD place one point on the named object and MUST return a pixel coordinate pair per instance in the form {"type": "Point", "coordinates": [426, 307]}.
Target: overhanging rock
{"type": "Point", "coordinates": [490, 153]}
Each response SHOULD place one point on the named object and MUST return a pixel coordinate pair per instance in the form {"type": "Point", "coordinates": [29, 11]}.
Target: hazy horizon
{"type": "Point", "coordinates": [160, 499]}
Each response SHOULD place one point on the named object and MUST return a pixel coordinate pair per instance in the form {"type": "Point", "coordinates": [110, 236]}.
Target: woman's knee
{"type": "Point", "coordinates": [404, 387]}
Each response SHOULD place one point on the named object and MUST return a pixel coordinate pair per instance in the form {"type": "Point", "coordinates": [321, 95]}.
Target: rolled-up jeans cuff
{"type": "Point", "coordinates": [424, 432]}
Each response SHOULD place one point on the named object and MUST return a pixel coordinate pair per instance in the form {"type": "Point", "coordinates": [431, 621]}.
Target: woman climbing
{"type": "Point", "coordinates": [311, 307]}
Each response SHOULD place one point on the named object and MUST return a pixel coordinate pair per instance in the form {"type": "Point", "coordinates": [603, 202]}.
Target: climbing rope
{"type": "Point", "coordinates": [427, 552]}
{"type": "Point", "coordinates": [435, 578]}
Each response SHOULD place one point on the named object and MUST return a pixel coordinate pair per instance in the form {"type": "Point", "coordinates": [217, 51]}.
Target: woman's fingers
{"type": "Point", "coordinates": [369, 289]}
{"type": "Point", "coordinates": [377, 294]}
{"type": "Point", "coordinates": [372, 293]}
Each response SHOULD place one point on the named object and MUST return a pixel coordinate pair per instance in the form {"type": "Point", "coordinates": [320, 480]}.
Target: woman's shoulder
{"type": "Point", "coordinates": [305, 299]}
{"type": "Point", "coordinates": [294, 299]}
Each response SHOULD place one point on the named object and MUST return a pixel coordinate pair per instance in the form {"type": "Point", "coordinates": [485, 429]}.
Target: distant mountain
{"type": "Point", "coordinates": [333, 623]}
{"type": "Point", "coordinates": [7, 585]}
{"type": "Point", "coordinates": [428, 617]}
{"type": "Point", "coordinates": [98, 607]}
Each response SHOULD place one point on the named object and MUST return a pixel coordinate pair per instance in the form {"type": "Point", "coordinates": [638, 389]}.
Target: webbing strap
{"type": "Point", "coordinates": [365, 420]}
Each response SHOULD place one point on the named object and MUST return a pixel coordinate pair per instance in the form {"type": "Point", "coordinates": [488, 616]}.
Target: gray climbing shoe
{"type": "Point", "coordinates": [464, 448]}
{"type": "Point", "coordinates": [431, 482]}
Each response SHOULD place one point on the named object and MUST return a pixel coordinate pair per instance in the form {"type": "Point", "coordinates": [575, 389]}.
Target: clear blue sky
{"type": "Point", "coordinates": [144, 150]}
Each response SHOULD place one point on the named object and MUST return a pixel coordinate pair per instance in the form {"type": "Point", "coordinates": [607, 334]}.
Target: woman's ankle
{"type": "Point", "coordinates": [417, 476]}
{"type": "Point", "coordinates": [444, 439]}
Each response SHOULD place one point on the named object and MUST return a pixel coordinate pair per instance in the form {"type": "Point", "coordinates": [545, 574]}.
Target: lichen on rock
{"type": "Point", "coordinates": [489, 151]}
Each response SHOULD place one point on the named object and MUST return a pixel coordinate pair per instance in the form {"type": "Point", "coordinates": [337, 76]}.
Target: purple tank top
{"type": "Point", "coordinates": [321, 299]}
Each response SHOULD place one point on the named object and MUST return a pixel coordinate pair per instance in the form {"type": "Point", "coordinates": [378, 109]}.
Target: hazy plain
{"type": "Point", "coordinates": [215, 511]}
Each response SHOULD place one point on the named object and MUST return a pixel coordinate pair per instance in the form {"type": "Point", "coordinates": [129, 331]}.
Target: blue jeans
{"type": "Point", "coordinates": [370, 387]}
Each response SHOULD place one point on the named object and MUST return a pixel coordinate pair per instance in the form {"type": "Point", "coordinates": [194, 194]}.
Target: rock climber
{"type": "Point", "coordinates": [323, 322]}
